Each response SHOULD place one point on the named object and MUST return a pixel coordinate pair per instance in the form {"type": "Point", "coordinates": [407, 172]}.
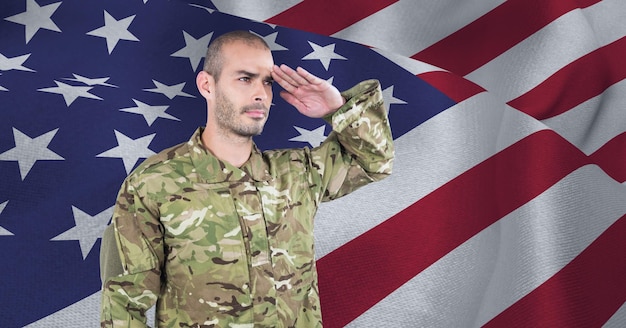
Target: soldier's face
{"type": "Point", "coordinates": [244, 89]}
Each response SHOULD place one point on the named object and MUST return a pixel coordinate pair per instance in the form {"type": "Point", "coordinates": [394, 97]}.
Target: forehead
{"type": "Point", "coordinates": [240, 55]}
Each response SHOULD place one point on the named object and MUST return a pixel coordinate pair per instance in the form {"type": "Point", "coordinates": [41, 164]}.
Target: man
{"type": "Point", "coordinates": [218, 234]}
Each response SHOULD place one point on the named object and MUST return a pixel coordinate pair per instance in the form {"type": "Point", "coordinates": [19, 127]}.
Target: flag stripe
{"type": "Point", "coordinates": [569, 37]}
{"type": "Point", "coordinates": [605, 111]}
{"type": "Point", "coordinates": [618, 320]}
{"type": "Point", "coordinates": [521, 17]}
{"type": "Point", "coordinates": [454, 86]}
{"type": "Point", "coordinates": [391, 246]}
{"type": "Point", "coordinates": [575, 83]}
{"type": "Point", "coordinates": [490, 271]}
{"type": "Point", "coordinates": [612, 157]}
{"type": "Point", "coordinates": [552, 230]}
{"type": "Point", "coordinates": [257, 10]}
{"type": "Point", "coordinates": [327, 16]}
{"type": "Point", "coordinates": [409, 26]}
{"type": "Point", "coordinates": [501, 75]}
{"type": "Point", "coordinates": [584, 294]}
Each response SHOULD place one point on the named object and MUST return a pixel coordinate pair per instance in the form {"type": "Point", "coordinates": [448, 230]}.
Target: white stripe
{"type": "Point", "coordinates": [430, 155]}
{"type": "Point", "coordinates": [591, 124]}
{"type": "Point", "coordinates": [608, 20]}
{"type": "Point", "coordinates": [618, 320]}
{"type": "Point", "coordinates": [495, 268]}
{"type": "Point", "coordinates": [409, 26]}
{"type": "Point", "coordinates": [566, 39]}
{"type": "Point", "coordinates": [258, 10]}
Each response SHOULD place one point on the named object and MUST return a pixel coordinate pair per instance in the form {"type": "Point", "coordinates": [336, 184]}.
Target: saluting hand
{"type": "Point", "coordinates": [312, 96]}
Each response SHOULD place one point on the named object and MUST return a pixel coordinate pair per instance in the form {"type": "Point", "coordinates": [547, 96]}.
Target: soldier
{"type": "Point", "coordinates": [217, 233]}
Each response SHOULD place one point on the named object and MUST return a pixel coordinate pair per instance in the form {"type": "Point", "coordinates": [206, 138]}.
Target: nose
{"type": "Point", "coordinates": [261, 92]}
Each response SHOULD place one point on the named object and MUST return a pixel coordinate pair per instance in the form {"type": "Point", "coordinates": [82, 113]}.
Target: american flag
{"type": "Point", "coordinates": [507, 206]}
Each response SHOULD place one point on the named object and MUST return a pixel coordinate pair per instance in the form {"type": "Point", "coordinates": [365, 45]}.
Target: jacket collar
{"type": "Point", "coordinates": [210, 169]}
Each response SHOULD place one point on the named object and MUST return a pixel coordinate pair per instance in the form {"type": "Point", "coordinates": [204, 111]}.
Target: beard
{"type": "Point", "coordinates": [229, 119]}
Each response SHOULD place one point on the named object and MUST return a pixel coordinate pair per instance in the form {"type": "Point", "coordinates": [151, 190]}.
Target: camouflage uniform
{"type": "Point", "coordinates": [214, 245]}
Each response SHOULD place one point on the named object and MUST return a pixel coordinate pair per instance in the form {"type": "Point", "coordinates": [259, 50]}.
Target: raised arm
{"type": "Point", "coordinates": [360, 148]}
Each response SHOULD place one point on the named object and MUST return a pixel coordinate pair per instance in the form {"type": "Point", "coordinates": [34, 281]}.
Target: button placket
{"type": "Point", "coordinates": [252, 218]}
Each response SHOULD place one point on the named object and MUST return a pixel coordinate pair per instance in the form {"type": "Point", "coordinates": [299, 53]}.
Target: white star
{"type": "Point", "coordinates": [70, 92]}
{"type": "Point", "coordinates": [323, 54]}
{"type": "Point", "coordinates": [129, 150]}
{"type": "Point", "coordinates": [87, 229]}
{"type": "Point", "coordinates": [150, 113]}
{"type": "Point", "coordinates": [3, 231]}
{"type": "Point", "coordinates": [35, 18]}
{"type": "Point", "coordinates": [114, 30]}
{"type": "Point", "coordinates": [271, 41]}
{"type": "Point", "coordinates": [170, 91]}
{"type": "Point", "coordinates": [313, 137]}
{"type": "Point", "coordinates": [29, 150]}
{"type": "Point", "coordinates": [195, 49]}
{"type": "Point", "coordinates": [16, 63]}
{"type": "Point", "coordinates": [94, 81]}
{"type": "Point", "coordinates": [389, 99]}
{"type": "Point", "coordinates": [3, 88]}
{"type": "Point", "coordinates": [205, 8]}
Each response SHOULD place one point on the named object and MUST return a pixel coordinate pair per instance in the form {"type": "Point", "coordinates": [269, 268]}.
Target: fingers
{"type": "Point", "coordinates": [291, 79]}
{"type": "Point", "coordinates": [293, 100]}
{"type": "Point", "coordinates": [285, 81]}
{"type": "Point", "coordinates": [310, 78]}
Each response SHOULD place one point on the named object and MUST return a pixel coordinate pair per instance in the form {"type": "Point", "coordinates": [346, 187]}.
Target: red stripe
{"type": "Point", "coordinates": [612, 158]}
{"type": "Point", "coordinates": [363, 271]}
{"type": "Point", "coordinates": [494, 33]}
{"type": "Point", "coordinates": [575, 83]}
{"type": "Point", "coordinates": [586, 293]}
{"type": "Point", "coordinates": [327, 17]}
{"type": "Point", "coordinates": [452, 85]}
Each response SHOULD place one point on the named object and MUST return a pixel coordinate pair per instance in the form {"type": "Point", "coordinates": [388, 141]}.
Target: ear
{"type": "Point", "coordinates": [205, 84]}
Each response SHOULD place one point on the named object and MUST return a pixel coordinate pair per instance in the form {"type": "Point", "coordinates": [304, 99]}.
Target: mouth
{"type": "Point", "coordinates": [255, 111]}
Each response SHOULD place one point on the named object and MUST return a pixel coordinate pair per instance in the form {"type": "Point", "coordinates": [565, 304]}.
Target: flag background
{"type": "Point", "coordinates": [507, 202]}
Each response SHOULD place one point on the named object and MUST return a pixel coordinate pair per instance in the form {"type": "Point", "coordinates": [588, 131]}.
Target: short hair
{"type": "Point", "coordinates": [214, 61]}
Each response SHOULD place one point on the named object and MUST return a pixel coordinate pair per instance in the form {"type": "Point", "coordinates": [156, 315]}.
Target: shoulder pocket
{"type": "Point", "coordinates": [137, 255]}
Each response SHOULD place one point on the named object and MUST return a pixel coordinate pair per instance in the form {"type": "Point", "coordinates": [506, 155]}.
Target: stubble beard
{"type": "Point", "coordinates": [228, 118]}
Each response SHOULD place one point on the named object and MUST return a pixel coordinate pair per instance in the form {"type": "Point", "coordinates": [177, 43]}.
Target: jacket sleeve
{"type": "Point", "coordinates": [131, 257]}
{"type": "Point", "coordinates": [360, 148]}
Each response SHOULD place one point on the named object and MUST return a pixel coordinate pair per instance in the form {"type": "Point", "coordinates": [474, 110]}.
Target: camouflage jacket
{"type": "Point", "coordinates": [214, 245]}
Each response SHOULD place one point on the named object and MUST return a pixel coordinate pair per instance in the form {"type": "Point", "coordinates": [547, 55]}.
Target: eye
{"type": "Point", "coordinates": [244, 79]}
{"type": "Point", "coordinates": [268, 82]}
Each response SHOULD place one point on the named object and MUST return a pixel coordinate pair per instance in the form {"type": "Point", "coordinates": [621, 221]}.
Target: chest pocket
{"type": "Point", "coordinates": [203, 237]}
